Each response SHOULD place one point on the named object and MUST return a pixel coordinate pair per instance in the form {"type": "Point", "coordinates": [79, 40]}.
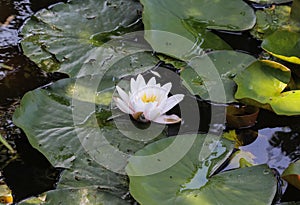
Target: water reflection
{"type": "Point", "coordinates": [266, 153]}
{"type": "Point", "coordinates": [17, 76]}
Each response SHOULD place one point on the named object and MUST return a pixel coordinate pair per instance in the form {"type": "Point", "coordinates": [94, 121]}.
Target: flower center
{"type": "Point", "coordinates": [148, 99]}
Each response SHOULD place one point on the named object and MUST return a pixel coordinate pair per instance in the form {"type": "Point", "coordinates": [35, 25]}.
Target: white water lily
{"type": "Point", "coordinates": [148, 101]}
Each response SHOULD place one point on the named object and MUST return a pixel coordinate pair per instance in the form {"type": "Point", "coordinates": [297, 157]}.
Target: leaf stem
{"type": "Point", "coordinates": [5, 143]}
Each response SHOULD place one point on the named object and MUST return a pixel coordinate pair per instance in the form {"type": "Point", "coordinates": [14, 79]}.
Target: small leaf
{"type": "Point", "coordinates": [283, 44]}
{"type": "Point", "coordinates": [270, 20]}
{"type": "Point", "coordinates": [292, 174]}
{"type": "Point", "coordinates": [262, 84]}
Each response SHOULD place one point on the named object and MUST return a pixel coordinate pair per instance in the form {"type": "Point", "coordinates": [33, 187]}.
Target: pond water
{"type": "Point", "coordinates": [274, 138]}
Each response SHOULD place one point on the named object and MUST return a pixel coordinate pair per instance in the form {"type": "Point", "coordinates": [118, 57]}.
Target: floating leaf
{"type": "Point", "coordinates": [68, 122]}
{"type": "Point", "coordinates": [262, 84]}
{"type": "Point", "coordinates": [271, 19]}
{"type": "Point", "coordinates": [191, 20]}
{"type": "Point", "coordinates": [5, 194]}
{"type": "Point", "coordinates": [241, 159]}
{"type": "Point", "coordinates": [231, 135]}
{"type": "Point", "coordinates": [227, 64]}
{"type": "Point", "coordinates": [188, 182]}
{"type": "Point", "coordinates": [283, 44]}
{"type": "Point", "coordinates": [292, 174]}
{"type": "Point", "coordinates": [87, 196]}
{"type": "Point", "coordinates": [63, 38]}
{"type": "Point", "coordinates": [295, 16]}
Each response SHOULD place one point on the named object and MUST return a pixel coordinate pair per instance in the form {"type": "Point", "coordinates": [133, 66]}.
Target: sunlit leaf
{"type": "Point", "coordinates": [241, 159]}
{"type": "Point", "coordinates": [292, 174]}
{"type": "Point", "coordinates": [5, 194]}
{"type": "Point", "coordinates": [262, 84]}
{"type": "Point", "coordinates": [283, 44]}
{"type": "Point", "coordinates": [188, 182]}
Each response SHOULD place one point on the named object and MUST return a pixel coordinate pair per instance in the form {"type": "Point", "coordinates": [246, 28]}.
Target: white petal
{"type": "Point", "coordinates": [167, 87]}
{"type": "Point", "coordinates": [171, 102]}
{"type": "Point", "coordinates": [167, 119]}
{"type": "Point", "coordinates": [155, 73]}
{"type": "Point", "coordinates": [151, 82]}
{"type": "Point", "coordinates": [124, 107]}
{"type": "Point", "coordinates": [138, 84]}
{"type": "Point", "coordinates": [124, 96]}
{"type": "Point", "coordinates": [132, 86]}
{"type": "Point", "coordinates": [150, 112]}
{"type": "Point", "coordinates": [138, 106]}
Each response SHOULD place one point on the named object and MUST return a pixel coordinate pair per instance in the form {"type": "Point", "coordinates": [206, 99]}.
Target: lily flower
{"type": "Point", "coordinates": [148, 101]}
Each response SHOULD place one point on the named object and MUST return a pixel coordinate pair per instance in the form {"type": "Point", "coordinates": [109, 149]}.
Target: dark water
{"type": "Point", "coordinates": [28, 173]}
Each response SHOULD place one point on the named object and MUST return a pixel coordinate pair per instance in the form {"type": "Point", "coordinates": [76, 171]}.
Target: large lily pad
{"type": "Point", "coordinates": [191, 20]}
{"type": "Point", "coordinates": [284, 44]}
{"type": "Point", "coordinates": [68, 122]}
{"type": "Point", "coordinates": [262, 84]}
{"type": "Point", "coordinates": [227, 63]}
{"type": "Point", "coordinates": [63, 37]}
{"type": "Point", "coordinates": [87, 196]}
{"type": "Point", "coordinates": [189, 182]}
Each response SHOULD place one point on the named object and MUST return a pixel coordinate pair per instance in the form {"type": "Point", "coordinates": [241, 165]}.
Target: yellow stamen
{"type": "Point", "coordinates": [148, 99]}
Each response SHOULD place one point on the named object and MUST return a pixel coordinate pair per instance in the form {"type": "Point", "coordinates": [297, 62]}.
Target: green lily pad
{"type": "Point", "coordinates": [283, 44]}
{"type": "Point", "coordinates": [189, 181]}
{"type": "Point", "coordinates": [292, 174]}
{"type": "Point", "coordinates": [191, 20]}
{"type": "Point", "coordinates": [88, 196]}
{"type": "Point", "coordinates": [262, 84]}
{"type": "Point", "coordinates": [68, 122]}
{"type": "Point", "coordinates": [227, 63]}
{"type": "Point", "coordinates": [270, 20]}
{"type": "Point", "coordinates": [63, 38]}
{"type": "Point", "coordinates": [271, 1]}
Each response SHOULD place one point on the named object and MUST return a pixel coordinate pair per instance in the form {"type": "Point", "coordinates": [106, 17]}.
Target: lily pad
{"type": "Point", "coordinates": [270, 20]}
{"type": "Point", "coordinates": [87, 196]}
{"type": "Point", "coordinates": [68, 122]}
{"type": "Point", "coordinates": [262, 84]}
{"type": "Point", "coordinates": [227, 63]}
{"type": "Point", "coordinates": [192, 20]}
{"type": "Point", "coordinates": [64, 37]}
{"type": "Point", "coordinates": [292, 174]}
{"type": "Point", "coordinates": [189, 181]}
{"type": "Point", "coordinates": [283, 44]}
